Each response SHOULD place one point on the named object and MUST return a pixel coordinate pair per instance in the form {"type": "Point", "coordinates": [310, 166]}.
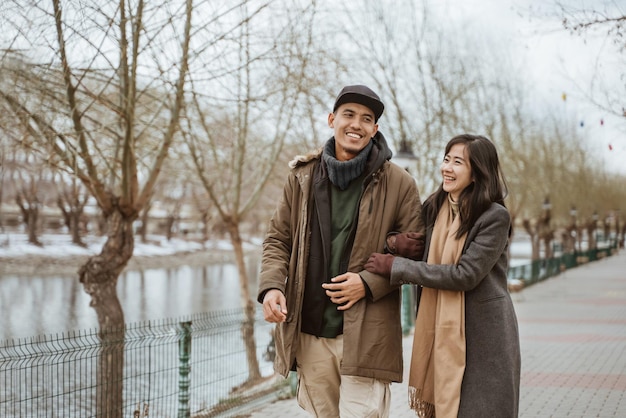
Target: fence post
{"type": "Point", "coordinates": [184, 354]}
{"type": "Point", "coordinates": [407, 309]}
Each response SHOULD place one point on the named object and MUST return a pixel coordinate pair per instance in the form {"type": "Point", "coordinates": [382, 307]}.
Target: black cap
{"type": "Point", "coordinates": [361, 95]}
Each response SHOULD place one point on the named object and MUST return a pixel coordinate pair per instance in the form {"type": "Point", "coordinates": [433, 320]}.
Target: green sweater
{"type": "Point", "coordinates": [344, 204]}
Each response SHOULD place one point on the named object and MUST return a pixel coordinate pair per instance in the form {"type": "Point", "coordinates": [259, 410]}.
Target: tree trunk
{"type": "Point", "coordinates": [143, 230]}
{"type": "Point", "coordinates": [99, 278]}
{"type": "Point", "coordinates": [205, 226]}
{"type": "Point", "coordinates": [31, 225]}
{"type": "Point", "coordinates": [569, 240]}
{"type": "Point", "coordinates": [169, 225]}
{"type": "Point", "coordinates": [75, 228]}
{"type": "Point", "coordinates": [33, 216]}
{"type": "Point", "coordinates": [547, 246]}
{"type": "Point", "coordinates": [71, 207]}
{"type": "Point", "coordinates": [247, 328]}
{"type": "Point", "coordinates": [534, 240]}
{"type": "Point", "coordinates": [591, 235]}
{"type": "Point", "coordinates": [579, 238]}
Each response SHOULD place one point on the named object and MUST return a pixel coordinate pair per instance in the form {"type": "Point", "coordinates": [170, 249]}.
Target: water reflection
{"type": "Point", "coordinates": [32, 306]}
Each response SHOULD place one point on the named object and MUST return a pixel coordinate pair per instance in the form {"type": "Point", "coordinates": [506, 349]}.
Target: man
{"type": "Point", "coordinates": [337, 324]}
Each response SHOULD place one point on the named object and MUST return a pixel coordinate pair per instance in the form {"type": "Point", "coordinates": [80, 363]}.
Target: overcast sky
{"type": "Point", "coordinates": [556, 61]}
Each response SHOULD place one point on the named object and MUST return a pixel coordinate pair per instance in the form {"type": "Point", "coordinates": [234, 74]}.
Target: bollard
{"type": "Point", "coordinates": [184, 355]}
{"type": "Point", "coordinates": [293, 383]}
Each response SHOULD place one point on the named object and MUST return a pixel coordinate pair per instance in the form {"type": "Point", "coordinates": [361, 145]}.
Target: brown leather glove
{"type": "Point", "coordinates": [380, 264]}
{"type": "Point", "coordinates": [409, 245]}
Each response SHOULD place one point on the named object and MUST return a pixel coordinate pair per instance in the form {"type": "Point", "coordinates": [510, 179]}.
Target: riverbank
{"type": "Point", "coordinates": [58, 257]}
{"type": "Point", "coordinates": [42, 265]}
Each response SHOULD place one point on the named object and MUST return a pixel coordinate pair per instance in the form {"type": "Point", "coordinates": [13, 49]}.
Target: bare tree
{"type": "Point", "coordinates": [3, 172]}
{"type": "Point", "coordinates": [31, 183]}
{"type": "Point", "coordinates": [30, 206]}
{"type": "Point", "coordinates": [401, 52]}
{"type": "Point", "coordinates": [91, 105]}
{"type": "Point", "coordinates": [173, 203]}
{"type": "Point", "coordinates": [144, 218]}
{"type": "Point", "coordinates": [2, 176]}
{"type": "Point", "coordinates": [440, 81]}
{"type": "Point", "coordinates": [540, 231]}
{"type": "Point", "coordinates": [203, 208]}
{"type": "Point", "coordinates": [436, 83]}
{"type": "Point", "coordinates": [236, 145]}
{"type": "Point", "coordinates": [71, 200]}
{"type": "Point", "coordinates": [608, 22]}
{"type": "Point", "coordinates": [581, 20]}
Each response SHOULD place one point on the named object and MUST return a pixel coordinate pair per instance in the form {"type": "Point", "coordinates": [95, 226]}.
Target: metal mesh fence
{"type": "Point", "coordinates": [187, 366]}
{"type": "Point", "coordinates": [538, 270]}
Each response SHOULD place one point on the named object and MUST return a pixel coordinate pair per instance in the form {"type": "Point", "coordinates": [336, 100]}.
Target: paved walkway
{"type": "Point", "coordinates": [573, 340]}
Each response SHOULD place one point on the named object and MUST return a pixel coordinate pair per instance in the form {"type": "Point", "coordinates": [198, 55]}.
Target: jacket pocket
{"type": "Point", "coordinates": [490, 299]}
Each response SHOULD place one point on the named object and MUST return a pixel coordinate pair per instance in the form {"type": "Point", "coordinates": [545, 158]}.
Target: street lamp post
{"type": "Point", "coordinates": [574, 229]}
{"type": "Point", "coordinates": [544, 227]}
{"type": "Point", "coordinates": [618, 230]}
{"type": "Point", "coordinates": [594, 219]}
{"type": "Point", "coordinates": [406, 159]}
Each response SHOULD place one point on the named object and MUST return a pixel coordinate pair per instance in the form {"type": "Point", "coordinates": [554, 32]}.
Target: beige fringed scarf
{"type": "Point", "coordinates": [438, 360]}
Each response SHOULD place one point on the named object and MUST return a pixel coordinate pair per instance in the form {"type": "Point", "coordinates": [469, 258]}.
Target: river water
{"type": "Point", "coordinates": [31, 306]}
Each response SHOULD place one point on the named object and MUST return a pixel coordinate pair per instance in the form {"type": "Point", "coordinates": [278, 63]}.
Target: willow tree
{"type": "Point", "coordinates": [100, 86]}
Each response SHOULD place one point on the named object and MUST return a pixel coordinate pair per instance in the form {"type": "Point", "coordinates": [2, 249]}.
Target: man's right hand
{"type": "Point", "coordinates": [274, 306]}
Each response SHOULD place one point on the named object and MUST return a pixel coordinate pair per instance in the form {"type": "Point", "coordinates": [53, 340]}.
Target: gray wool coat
{"type": "Point", "coordinates": [491, 381]}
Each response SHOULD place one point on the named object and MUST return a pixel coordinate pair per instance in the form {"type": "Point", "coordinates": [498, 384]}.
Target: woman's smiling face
{"type": "Point", "coordinates": [456, 171]}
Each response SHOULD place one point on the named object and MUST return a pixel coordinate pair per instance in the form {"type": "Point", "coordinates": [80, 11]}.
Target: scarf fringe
{"type": "Point", "coordinates": [422, 408]}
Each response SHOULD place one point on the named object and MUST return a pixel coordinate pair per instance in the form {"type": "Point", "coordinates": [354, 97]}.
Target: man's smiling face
{"type": "Point", "coordinates": [354, 127]}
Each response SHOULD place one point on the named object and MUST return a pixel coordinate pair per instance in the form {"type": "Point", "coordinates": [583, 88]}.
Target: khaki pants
{"type": "Point", "coordinates": [324, 393]}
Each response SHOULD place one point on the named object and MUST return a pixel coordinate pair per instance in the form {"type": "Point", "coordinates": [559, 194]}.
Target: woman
{"type": "Point", "coordinates": [466, 356]}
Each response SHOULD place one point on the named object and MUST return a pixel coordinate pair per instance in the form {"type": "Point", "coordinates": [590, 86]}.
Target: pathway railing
{"type": "Point", "coordinates": [181, 367]}
{"type": "Point", "coordinates": [522, 275]}
{"type": "Point", "coordinates": [537, 270]}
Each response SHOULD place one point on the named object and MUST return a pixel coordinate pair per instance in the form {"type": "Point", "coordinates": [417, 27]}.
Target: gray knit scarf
{"type": "Point", "coordinates": [341, 173]}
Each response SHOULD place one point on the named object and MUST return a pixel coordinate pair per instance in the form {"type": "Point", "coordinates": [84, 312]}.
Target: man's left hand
{"type": "Point", "coordinates": [345, 290]}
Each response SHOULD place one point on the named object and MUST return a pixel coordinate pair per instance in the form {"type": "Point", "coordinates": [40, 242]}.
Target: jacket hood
{"type": "Point", "coordinates": [380, 142]}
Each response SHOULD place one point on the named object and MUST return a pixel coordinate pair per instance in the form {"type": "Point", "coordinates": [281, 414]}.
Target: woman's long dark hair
{"type": "Point", "coordinates": [488, 183]}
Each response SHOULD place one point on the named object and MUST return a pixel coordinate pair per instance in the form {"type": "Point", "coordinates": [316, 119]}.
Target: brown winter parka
{"type": "Point", "coordinates": [372, 327]}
